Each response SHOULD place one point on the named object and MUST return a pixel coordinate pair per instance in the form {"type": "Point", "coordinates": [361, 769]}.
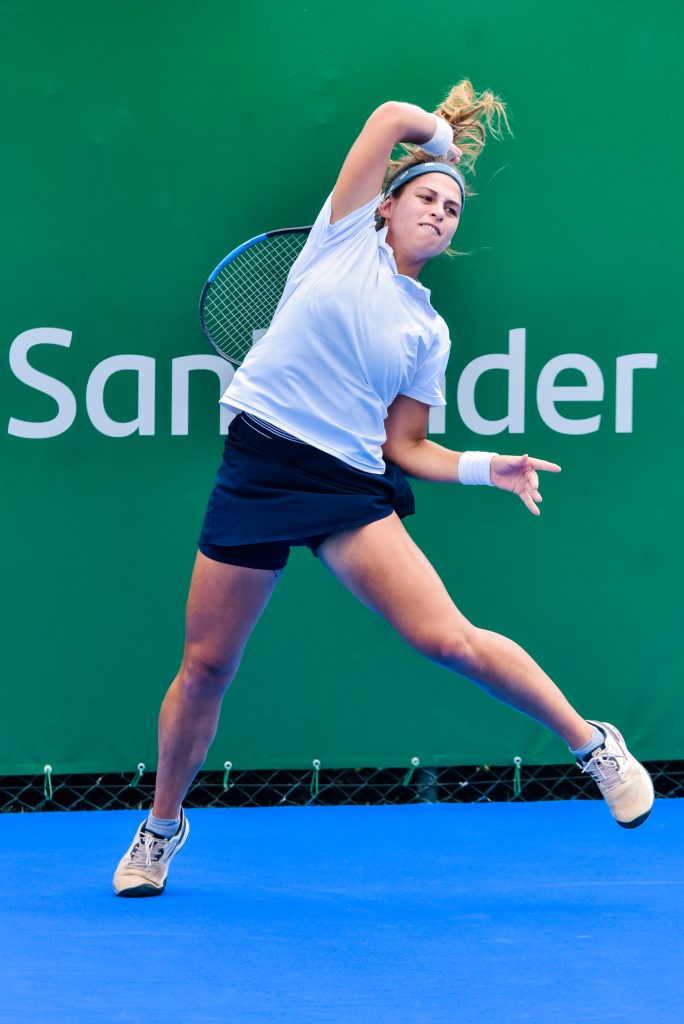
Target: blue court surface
{"type": "Point", "coordinates": [449, 914]}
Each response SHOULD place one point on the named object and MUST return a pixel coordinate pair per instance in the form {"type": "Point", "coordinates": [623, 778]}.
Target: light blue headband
{"type": "Point", "coordinates": [428, 168]}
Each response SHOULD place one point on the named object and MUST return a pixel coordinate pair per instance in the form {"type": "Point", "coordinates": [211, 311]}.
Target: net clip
{"type": "Point", "coordinates": [415, 763]}
{"type": "Point", "coordinates": [313, 789]}
{"type": "Point", "coordinates": [47, 782]}
{"type": "Point", "coordinates": [517, 784]}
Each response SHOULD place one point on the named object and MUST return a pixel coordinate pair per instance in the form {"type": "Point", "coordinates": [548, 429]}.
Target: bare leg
{"type": "Point", "coordinates": [224, 604]}
{"type": "Point", "coordinates": [385, 569]}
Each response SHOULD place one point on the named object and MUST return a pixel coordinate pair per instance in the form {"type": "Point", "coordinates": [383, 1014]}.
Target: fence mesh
{"type": "Point", "coordinates": [332, 787]}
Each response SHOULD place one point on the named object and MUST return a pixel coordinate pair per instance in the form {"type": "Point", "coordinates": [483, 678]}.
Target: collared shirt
{"type": "Point", "coordinates": [350, 334]}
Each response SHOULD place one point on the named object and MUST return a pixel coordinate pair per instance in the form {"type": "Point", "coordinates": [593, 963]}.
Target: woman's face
{"type": "Point", "coordinates": [422, 219]}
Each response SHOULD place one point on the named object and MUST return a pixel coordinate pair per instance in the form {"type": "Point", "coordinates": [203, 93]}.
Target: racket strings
{"type": "Point", "coordinates": [244, 295]}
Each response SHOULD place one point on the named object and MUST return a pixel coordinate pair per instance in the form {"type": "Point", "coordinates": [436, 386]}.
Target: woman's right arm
{"type": "Point", "coordinates": [363, 172]}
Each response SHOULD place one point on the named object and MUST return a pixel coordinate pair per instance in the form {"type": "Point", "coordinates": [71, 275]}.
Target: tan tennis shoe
{"type": "Point", "coordinates": [143, 869]}
{"type": "Point", "coordinates": [625, 784]}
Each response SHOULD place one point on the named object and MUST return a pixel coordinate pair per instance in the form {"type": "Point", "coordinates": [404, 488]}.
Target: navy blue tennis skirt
{"type": "Point", "coordinates": [273, 492]}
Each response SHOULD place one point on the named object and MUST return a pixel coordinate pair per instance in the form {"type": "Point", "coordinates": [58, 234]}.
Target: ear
{"type": "Point", "coordinates": [385, 207]}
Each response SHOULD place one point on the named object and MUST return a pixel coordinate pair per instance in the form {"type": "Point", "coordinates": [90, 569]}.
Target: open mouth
{"type": "Point", "coordinates": [432, 228]}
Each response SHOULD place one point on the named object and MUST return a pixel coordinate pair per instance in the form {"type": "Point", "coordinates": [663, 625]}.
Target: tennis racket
{"type": "Point", "coordinates": [240, 297]}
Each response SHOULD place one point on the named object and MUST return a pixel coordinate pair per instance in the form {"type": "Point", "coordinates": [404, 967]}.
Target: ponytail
{"type": "Point", "coordinates": [472, 117]}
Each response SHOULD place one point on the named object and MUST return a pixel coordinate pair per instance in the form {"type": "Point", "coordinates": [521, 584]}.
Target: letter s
{"type": "Point", "coordinates": [66, 412]}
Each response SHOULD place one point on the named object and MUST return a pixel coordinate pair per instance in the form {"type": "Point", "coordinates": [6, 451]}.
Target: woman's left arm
{"type": "Point", "coordinates": [408, 446]}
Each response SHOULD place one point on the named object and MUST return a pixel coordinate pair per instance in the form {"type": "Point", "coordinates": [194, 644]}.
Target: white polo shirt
{"type": "Point", "coordinates": [350, 334]}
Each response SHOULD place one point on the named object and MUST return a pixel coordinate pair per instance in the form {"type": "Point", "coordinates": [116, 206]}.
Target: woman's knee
{"type": "Point", "coordinates": [202, 673]}
{"type": "Point", "coordinates": [454, 647]}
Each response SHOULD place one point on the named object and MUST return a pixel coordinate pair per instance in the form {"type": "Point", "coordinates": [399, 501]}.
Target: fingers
{"type": "Point", "coordinates": [519, 473]}
{"type": "Point", "coordinates": [454, 155]}
{"type": "Point", "coordinates": [528, 498]}
{"type": "Point", "coordinates": [530, 492]}
{"type": "Point", "coordinates": [548, 467]}
{"type": "Point", "coordinates": [531, 497]}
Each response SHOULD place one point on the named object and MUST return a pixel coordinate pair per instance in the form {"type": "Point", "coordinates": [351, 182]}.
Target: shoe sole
{"type": "Point", "coordinates": [140, 891]}
{"type": "Point", "coordinates": [635, 821]}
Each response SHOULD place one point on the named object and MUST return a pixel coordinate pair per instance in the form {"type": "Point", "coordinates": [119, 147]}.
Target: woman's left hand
{"type": "Point", "coordinates": [518, 473]}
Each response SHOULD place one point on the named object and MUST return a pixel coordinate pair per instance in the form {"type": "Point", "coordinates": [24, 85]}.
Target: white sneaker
{"type": "Point", "coordinates": [143, 868]}
{"type": "Point", "coordinates": [625, 784]}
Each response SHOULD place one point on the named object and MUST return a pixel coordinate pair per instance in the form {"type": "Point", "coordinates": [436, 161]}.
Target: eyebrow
{"type": "Point", "coordinates": [435, 193]}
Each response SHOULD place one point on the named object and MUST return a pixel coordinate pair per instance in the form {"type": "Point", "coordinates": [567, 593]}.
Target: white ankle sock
{"type": "Point", "coordinates": [166, 827]}
{"type": "Point", "coordinates": [598, 738]}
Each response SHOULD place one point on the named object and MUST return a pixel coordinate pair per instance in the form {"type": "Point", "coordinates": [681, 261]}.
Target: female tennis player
{"type": "Point", "coordinates": [332, 410]}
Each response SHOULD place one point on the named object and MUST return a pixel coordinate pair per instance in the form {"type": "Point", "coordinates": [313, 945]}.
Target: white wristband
{"type": "Point", "coordinates": [474, 468]}
{"type": "Point", "coordinates": [442, 139]}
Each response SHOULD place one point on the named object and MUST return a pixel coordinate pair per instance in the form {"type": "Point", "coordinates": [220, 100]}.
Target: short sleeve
{"type": "Point", "coordinates": [427, 384]}
{"type": "Point", "coordinates": [355, 223]}
{"type": "Point", "coordinates": [324, 236]}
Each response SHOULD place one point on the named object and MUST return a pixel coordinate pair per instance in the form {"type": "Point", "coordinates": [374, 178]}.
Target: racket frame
{"type": "Point", "coordinates": [303, 230]}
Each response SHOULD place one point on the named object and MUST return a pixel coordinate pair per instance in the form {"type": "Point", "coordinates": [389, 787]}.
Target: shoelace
{"type": "Point", "coordinates": [606, 769]}
{"type": "Point", "coordinates": [143, 853]}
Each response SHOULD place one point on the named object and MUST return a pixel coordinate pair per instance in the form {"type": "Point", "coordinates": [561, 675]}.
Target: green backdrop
{"type": "Point", "coordinates": [133, 158]}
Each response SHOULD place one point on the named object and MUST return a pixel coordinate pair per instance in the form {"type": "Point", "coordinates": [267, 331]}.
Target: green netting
{"type": "Point", "coordinates": [235, 788]}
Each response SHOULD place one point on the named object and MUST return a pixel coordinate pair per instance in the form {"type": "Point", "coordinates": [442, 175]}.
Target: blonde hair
{"type": "Point", "coordinates": [472, 117]}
